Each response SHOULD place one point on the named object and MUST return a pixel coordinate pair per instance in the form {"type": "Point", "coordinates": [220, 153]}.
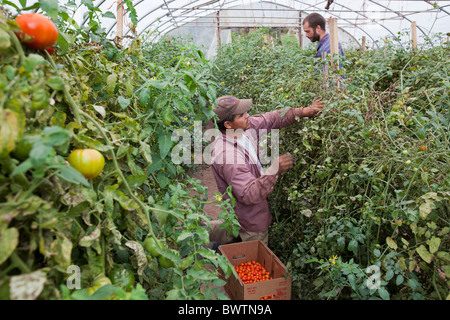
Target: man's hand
{"type": "Point", "coordinates": [314, 109]}
{"type": "Point", "coordinates": [282, 164]}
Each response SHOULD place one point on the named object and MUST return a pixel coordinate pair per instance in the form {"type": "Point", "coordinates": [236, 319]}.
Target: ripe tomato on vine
{"type": "Point", "coordinates": [40, 29]}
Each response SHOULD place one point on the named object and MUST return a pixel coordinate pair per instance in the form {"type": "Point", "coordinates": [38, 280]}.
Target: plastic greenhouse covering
{"type": "Point", "coordinates": [210, 21]}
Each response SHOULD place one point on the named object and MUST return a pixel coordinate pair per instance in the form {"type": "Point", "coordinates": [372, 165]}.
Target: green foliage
{"type": "Point", "coordinates": [370, 183]}
{"type": "Point", "coordinates": [125, 104]}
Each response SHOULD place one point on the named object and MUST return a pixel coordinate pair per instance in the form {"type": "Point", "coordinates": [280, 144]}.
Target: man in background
{"type": "Point", "coordinates": [314, 26]}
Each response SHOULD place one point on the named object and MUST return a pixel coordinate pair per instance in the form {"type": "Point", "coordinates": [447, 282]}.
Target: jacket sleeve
{"type": "Point", "coordinates": [246, 188]}
{"type": "Point", "coordinates": [275, 119]}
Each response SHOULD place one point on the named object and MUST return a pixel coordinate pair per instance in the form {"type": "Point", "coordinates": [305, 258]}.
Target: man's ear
{"type": "Point", "coordinates": [227, 124]}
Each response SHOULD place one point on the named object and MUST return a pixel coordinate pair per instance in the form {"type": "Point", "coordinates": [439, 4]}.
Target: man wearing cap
{"type": "Point", "coordinates": [235, 160]}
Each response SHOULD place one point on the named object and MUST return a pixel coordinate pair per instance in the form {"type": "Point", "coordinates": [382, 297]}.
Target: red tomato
{"type": "Point", "coordinates": [42, 30]}
{"type": "Point", "coordinates": [89, 162]}
{"type": "Point", "coordinates": [253, 271]}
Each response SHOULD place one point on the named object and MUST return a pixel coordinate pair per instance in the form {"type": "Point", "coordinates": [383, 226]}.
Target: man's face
{"type": "Point", "coordinates": [311, 33]}
{"type": "Point", "coordinates": [240, 122]}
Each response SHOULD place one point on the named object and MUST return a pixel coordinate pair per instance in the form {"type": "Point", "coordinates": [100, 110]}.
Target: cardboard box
{"type": "Point", "coordinates": [281, 282]}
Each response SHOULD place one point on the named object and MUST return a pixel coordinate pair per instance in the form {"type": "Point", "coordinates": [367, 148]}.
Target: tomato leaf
{"type": "Point", "coordinates": [108, 14]}
{"type": "Point", "coordinates": [50, 6]}
{"type": "Point", "coordinates": [104, 292]}
{"type": "Point", "coordinates": [69, 174]}
{"type": "Point", "coordinates": [111, 81]}
{"type": "Point", "coordinates": [424, 253]}
{"type": "Point", "coordinates": [146, 152]}
{"type": "Point", "coordinates": [434, 244]}
{"type": "Point", "coordinates": [89, 239]}
{"type": "Point", "coordinates": [384, 294]}
{"type": "Point", "coordinates": [135, 181]}
{"type": "Point", "coordinates": [32, 61]}
{"type": "Point", "coordinates": [165, 143]}
{"type": "Point", "coordinates": [391, 243]}
{"type": "Point", "coordinates": [39, 153]}
{"type": "Point", "coordinates": [23, 167]}
{"type": "Point", "coordinates": [63, 43]}
{"type": "Point", "coordinates": [55, 136]}
{"type": "Point", "coordinates": [56, 83]}
{"type": "Point", "coordinates": [167, 116]}
{"type": "Point", "coordinates": [162, 178]}
{"type": "Point", "coordinates": [10, 131]}
{"type": "Point", "coordinates": [123, 102]}
{"type": "Point", "coordinates": [9, 239]}
{"type": "Point", "coordinates": [353, 245]}
{"type": "Point", "coordinates": [5, 41]}
{"type": "Point", "coordinates": [144, 96]}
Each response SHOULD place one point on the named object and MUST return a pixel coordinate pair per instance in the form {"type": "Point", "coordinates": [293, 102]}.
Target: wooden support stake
{"type": "Point", "coordinates": [334, 45]}
{"type": "Point", "coordinates": [363, 44]}
{"type": "Point", "coordinates": [300, 33]}
{"type": "Point", "coordinates": [218, 29]}
{"type": "Point", "coordinates": [120, 11]}
{"type": "Point", "coordinates": [414, 35]}
{"type": "Point", "coordinates": [325, 69]}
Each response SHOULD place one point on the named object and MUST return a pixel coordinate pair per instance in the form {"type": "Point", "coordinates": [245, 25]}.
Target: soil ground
{"type": "Point", "coordinates": [211, 209]}
{"type": "Point", "coordinates": [206, 176]}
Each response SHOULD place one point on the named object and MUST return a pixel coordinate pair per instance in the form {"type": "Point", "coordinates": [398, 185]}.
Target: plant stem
{"type": "Point", "coordinates": [18, 46]}
{"type": "Point", "coordinates": [75, 108]}
{"type": "Point", "coordinates": [19, 263]}
{"type": "Point", "coordinates": [434, 284]}
{"type": "Point", "coordinates": [116, 165]}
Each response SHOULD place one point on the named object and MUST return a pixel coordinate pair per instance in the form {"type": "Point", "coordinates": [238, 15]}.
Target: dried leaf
{"type": "Point", "coordinates": [391, 243]}
{"type": "Point", "coordinates": [141, 258]}
{"type": "Point", "coordinates": [88, 240]}
{"type": "Point", "coordinates": [27, 286]}
{"type": "Point", "coordinates": [424, 254]}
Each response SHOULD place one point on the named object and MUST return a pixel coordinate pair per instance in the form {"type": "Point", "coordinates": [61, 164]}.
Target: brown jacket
{"type": "Point", "coordinates": [233, 165]}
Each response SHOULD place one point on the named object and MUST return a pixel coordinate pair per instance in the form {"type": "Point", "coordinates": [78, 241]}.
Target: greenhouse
{"type": "Point", "coordinates": [224, 150]}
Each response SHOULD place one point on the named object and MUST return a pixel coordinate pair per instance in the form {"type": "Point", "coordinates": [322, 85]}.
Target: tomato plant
{"type": "Point", "coordinates": [89, 162]}
{"type": "Point", "coordinates": [37, 31]}
{"type": "Point", "coordinates": [363, 190]}
{"type": "Point", "coordinates": [121, 108]}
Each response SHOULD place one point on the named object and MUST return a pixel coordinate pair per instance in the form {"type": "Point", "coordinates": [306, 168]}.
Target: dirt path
{"type": "Point", "coordinates": [211, 209]}
{"type": "Point", "coordinates": [206, 176]}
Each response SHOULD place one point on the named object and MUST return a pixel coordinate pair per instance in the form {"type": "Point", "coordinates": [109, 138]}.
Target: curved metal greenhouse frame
{"type": "Point", "coordinates": [380, 16]}
{"type": "Point", "coordinates": [373, 19]}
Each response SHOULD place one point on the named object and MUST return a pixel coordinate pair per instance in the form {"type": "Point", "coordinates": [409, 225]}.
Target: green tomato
{"type": "Point", "coordinates": [24, 146]}
{"type": "Point", "coordinates": [122, 277]}
{"type": "Point", "coordinates": [150, 244]}
{"type": "Point", "coordinates": [165, 262]}
{"type": "Point", "coordinates": [100, 281]}
{"type": "Point", "coordinates": [89, 162]}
